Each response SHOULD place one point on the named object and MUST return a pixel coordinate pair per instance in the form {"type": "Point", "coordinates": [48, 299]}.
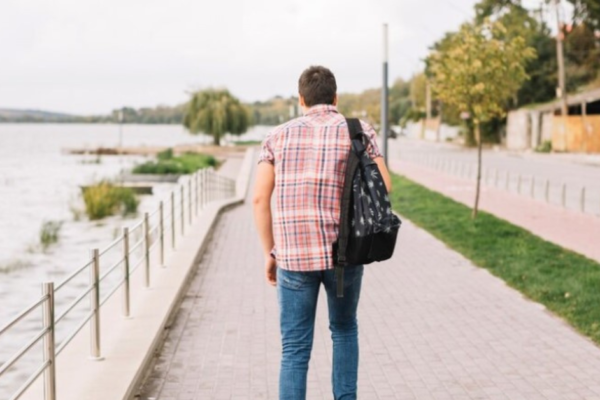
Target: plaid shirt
{"type": "Point", "coordinates": [309, 154]}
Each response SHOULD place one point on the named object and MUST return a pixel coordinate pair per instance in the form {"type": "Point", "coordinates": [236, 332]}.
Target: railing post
{"type": "Point", "coordinates": [582, 200]}
{"type": "Point", "coordinates": [209, 185]}
{"type": "Point", "coordinates": [496, 177]}
{"type": "Point", "coordinates": [519, 184]}
{"type": "Point", "coordinates": [49, 344]}
{"type": "Point", "coordinates": [126, 281]}
{"type": "Point", "coordinates": [182, 193]}
{"type": "Point", "coordinates": [190, 203]}
{"type": "Point", "coordinates": [547, 191]}
{"type": "Point", "coordinates": [95, 306]}
{"type": "Point", "coordinates": [564, 195]}
{"type": "Point", "coordinates": [211, 192]}
{"type": "Point", "coordinates": [161, 230]}
{"type": "Point", "coordinates": [196, 175]}
{"type": "Point", "coordinates": [203, 188]}
{"type": "Point", "coordinates": [507, 182]}
{"type": "Point", "coordinates": [146, 250]}
{"type": "Point", "coordinates": [173, 219]}
{"type": "Point", "coordinates": [532, 187]}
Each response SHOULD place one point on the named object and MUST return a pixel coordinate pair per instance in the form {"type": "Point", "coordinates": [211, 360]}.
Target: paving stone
{"type": "Point", "coordinates": [431, 326]}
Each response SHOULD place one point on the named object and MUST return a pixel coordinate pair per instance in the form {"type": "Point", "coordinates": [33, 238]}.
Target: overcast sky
{"type": "Point", "coordinates": [91, 56]}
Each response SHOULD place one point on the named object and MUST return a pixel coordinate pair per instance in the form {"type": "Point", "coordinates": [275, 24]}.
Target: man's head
{"type": "Point", "coordinates": [317, 86]}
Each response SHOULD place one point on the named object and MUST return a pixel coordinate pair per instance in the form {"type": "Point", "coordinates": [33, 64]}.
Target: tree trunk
{"type": "Point", "coordinates": [470, 139]}
{"type": "Point", "coordinates": [216, 139]}
{"type": "Point", "coordinates": [478, 184]}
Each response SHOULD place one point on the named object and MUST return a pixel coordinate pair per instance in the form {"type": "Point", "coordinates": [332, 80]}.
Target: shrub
{"type": "Point", "coordinates": [104, 199]}
{"type": "Point", "coordinates": [545, 147]}
{"type": "Point", "coordinates": [167, 163]}
{"type": "Point", "coordinates": [165, 154]}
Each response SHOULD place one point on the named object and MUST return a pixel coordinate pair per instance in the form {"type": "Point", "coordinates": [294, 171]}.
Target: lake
{"type": "Point", "coordinates": [39, 182]}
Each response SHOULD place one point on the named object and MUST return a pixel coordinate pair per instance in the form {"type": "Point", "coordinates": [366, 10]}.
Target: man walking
{"type": "Point", "coordinates": [303, 162]}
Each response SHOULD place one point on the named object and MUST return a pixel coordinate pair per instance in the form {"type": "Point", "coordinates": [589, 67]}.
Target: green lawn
{"type": "Point", "coordinates": [565, 282]}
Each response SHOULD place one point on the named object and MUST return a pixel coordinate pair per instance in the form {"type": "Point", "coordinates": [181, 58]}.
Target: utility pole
{"type": "Point", "coordinates": [561, 91]}
{"type": "Point", "coordinates": [384, 95]}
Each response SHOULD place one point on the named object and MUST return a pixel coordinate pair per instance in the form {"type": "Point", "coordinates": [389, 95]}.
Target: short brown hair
{"type": "Point", "coordinates": [317, 86]}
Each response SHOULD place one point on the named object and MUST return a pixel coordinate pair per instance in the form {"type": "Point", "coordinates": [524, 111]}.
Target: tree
{"type": "Point", "coordinates": [478, 72]}
{"type": "Point", "coordinates": [582, 53]}
{"type": "Point", "coordinates": [216, 112]}
{"type": "Point", "coordinates": [587, 11]}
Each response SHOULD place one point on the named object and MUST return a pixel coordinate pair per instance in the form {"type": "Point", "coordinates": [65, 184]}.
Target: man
{"type": "Point", "coordinates": [303, 162]}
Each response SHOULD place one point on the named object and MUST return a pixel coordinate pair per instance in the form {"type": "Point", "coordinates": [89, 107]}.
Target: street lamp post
{"type": "Point", "coordinates": [384, 95]}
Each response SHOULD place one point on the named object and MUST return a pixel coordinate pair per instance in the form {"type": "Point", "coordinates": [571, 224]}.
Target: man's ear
{"type": "Point", "coordinates": [335, 100]}
{"type": "Point", "coordinates": [302, 103]}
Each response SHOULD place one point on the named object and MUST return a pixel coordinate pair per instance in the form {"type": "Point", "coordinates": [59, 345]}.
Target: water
{"type": "Point", "coordinates": [40, 182]}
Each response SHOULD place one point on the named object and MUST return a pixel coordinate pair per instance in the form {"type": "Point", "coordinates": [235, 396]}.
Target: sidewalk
{"type": "Point", "coordinates": [432, 326]}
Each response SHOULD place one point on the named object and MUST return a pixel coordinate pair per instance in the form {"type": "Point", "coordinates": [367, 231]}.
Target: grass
{"type": "Point", "coordinates": [167, 163]}
{"type": "Point", "coordinates": [565, 282]}
{"type": "Point", "coordinates": [105, 199]}
{"type": "Point", "coordinates": [50, 233]}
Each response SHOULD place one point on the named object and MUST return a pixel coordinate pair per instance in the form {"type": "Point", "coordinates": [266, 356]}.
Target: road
{"type": "Point", "coordinates": [498, 165]}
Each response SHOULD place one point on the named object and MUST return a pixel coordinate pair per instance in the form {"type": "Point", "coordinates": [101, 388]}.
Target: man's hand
{"type": "Point", "coordinates": [271, 271]}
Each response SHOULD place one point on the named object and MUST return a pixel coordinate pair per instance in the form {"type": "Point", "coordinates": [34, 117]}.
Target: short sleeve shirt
{"type": "Point", "coordinates": [309, 155]}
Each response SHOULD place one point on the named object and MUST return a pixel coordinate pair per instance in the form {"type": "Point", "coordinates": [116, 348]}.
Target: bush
{"type": "Point", "coordinates": [167, 163]}
{"type": "Point", "coordinates": [545, 147]}
{"type": "Point", "coordinates": [104, 199]}
{"type": "Point", "coordinates": [165, 154]}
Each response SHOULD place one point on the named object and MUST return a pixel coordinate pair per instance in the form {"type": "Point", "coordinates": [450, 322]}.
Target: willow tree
{"type": "Point", "coordinates": [216, 112]}
{"type": "Point", "coordinates": [478, 71]}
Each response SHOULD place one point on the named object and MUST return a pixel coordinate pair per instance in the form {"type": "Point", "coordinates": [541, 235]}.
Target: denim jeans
{"type": "Point", "coordinates": [297, 293]}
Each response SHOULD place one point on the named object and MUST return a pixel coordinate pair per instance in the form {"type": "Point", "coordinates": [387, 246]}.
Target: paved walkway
{"type": "Point", "coordinates": [432, 326]}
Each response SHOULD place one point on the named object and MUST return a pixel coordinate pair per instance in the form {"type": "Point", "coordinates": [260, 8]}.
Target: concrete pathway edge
{"type": "Point", "coordinates": [128, 344]}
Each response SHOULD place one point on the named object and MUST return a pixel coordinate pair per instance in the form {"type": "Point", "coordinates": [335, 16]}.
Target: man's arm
{"type": "Point", "coordinates": [263, 189]}
{"type": "Point", "coordinates": [385, 174]}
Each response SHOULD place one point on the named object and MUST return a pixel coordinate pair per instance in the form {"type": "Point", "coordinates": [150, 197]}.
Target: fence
{"type": "Point", "coordinates": [137, 246]}
{"type": "Point", "coordinates": [580, 198]}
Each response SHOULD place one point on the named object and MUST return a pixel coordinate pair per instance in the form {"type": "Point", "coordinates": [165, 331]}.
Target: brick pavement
{"type": "Point", "coordinates": [432, 326]}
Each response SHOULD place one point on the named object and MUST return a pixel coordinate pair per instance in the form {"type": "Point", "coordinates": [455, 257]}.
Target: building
{"type": "Point", "coordinates": [579, 131]}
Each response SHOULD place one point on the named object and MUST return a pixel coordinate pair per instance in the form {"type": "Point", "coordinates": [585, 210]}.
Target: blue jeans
{"type": "Point", "coordinates": [297, 293]}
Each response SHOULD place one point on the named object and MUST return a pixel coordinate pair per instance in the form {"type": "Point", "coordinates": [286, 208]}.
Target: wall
{"type": "Point", "coordinates": [576, 133]}
{"type": "Point", "coordinates": [518, 130]}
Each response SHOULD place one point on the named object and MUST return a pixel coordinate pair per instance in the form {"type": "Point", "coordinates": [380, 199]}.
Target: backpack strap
{"type": "Point", "coordinates": [355, 128]}
{"type": "Point", "coordinates": [340, 248]}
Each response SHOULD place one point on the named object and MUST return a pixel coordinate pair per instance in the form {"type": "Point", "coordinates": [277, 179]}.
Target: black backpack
{"type": "Point", "coordinates": [368, 226]}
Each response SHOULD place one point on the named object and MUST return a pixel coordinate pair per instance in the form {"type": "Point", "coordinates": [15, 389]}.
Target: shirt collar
{"type": "Point", "coordinates": [321, 109]}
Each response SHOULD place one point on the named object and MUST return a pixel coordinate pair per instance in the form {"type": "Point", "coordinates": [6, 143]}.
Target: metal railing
{"type": "Point", "coordinates": [184, 205]}
{"type": "Point", "coordinates": [578, 198]}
